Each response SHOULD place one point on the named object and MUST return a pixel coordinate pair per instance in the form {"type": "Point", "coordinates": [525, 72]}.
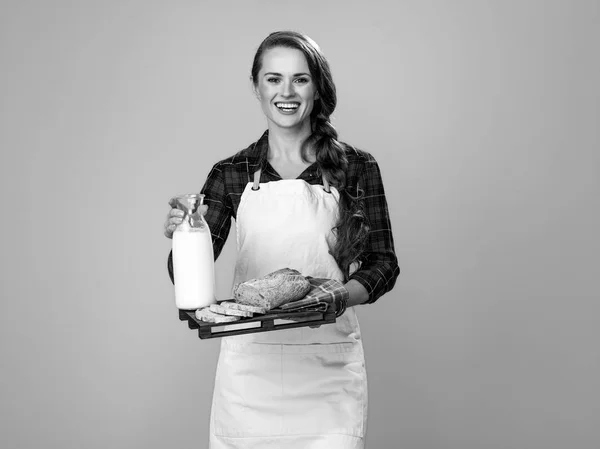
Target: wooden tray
{"type": "Point", "coordinates": [258, 323]}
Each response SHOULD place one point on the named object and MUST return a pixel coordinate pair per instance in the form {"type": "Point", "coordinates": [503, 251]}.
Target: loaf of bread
{"type": "Point", "coordinates": [205, 314]}
{"type": "Point", "coordinates": [227, 311]}
{"type": "Point", "coordinates": [232, 305]}
{"type": "Point", "coordinates": [274, 289]}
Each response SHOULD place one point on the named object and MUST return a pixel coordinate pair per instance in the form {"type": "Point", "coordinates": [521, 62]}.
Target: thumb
{"type": "Point", "coordinates": [201, 211]}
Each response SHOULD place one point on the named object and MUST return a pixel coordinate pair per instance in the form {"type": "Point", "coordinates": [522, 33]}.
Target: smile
{"type": "Point", "coordinates": [287, 106]}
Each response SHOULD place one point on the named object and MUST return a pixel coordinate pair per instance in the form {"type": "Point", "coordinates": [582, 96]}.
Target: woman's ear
{"type": "Point", "coordinates": [255, 89]}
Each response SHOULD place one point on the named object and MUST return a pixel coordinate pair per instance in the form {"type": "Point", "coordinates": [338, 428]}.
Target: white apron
{"type": "Point", "coordinates": [299, 388]}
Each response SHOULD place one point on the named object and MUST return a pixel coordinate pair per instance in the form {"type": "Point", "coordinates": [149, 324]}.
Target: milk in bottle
{"type": "Point", "coordinates": [193, 257]}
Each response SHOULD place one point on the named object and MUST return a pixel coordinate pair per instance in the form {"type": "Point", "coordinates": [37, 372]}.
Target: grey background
{"type": "Point", "coordinates": [484, 118]}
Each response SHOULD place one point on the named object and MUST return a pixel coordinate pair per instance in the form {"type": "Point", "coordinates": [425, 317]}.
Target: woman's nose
{"type": "Point", "coordinates": [287, 89]}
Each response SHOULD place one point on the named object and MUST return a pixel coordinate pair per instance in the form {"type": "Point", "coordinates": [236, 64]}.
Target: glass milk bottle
{"type": "Point", "coordinates": [193, 257]}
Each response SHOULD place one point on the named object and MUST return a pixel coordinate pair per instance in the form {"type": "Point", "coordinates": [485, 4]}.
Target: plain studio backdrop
{"type": "Point", "coordinates": [484, 117]}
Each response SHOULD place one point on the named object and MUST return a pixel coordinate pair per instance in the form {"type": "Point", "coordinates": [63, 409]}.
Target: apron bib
{"type": "Point", "coordinates": [297, 388]}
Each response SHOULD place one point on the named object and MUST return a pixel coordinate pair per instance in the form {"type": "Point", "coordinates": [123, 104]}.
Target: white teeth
{"type": "Point", "coordinates": [287, 105]}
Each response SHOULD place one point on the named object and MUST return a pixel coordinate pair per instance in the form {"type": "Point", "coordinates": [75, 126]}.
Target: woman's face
{"type": "Point", "coordinates": [285, 88]}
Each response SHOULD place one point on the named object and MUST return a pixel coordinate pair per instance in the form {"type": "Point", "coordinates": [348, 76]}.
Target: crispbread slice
{"type": "Point", "coordinates": [228, 311]}
{"type": "Point", "coordinates": [237, 306]}
{"type": "Point", "coordinates": [205, 314]}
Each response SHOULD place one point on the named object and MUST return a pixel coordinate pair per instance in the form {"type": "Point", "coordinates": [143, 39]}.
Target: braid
{"type": "Point", "coordinates": [330, 154]}
{"type": "Point", "coordinates": [351, 229]}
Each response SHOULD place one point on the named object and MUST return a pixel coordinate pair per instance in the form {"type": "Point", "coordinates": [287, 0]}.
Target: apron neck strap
{"type": "Point", "coordinates": [326, 184]}
{"type": "Point", "coordinates": [256, 181]}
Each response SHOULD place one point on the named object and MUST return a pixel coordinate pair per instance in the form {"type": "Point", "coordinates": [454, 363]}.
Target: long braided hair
{"type": "Point", "coordinates": [351, 229]}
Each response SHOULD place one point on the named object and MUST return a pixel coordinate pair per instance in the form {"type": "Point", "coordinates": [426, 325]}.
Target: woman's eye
{"type": "Point", "coordinates": [273, 80]}
{"type": "Point", "coordinates": [302, 80]}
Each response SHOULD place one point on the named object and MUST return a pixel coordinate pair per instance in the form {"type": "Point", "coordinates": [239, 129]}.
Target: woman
{"type": "Point", "coordinates": [303, 200]}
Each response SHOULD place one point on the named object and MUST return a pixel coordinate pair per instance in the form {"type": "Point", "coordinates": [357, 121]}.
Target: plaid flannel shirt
{"type": "Point", "coordinates": [226, 181]}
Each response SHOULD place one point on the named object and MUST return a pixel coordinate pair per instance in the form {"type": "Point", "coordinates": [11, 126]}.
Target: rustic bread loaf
{"type": "Point", "coordinates": [274, 289]}
{"type": "Point", "coordinates": [231, 305]}
{"type": "Point", "coordinates": [227, 311]}
{"type": "Point", "coordinates": [205, 314]}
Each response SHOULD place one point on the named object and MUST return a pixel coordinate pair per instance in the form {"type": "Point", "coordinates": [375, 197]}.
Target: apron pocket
{"type": "Point", "coordinates": [325, 392]}
{"type": "Point", "coordinates": [247, 396]}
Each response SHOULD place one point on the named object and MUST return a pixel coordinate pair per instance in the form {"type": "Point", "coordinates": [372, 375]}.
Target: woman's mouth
{"type": "Point", "coordinates": [288, 107]}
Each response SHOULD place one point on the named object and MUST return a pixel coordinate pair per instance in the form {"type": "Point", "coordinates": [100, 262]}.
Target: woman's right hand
{"type": "Point", "coordinates": [175, 217]}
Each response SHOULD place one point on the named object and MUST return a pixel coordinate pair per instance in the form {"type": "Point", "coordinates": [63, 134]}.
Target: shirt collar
{"type": "Point", "coordinates": [257, 153]}
{"type": "Point", "coordinates": [257, 158]}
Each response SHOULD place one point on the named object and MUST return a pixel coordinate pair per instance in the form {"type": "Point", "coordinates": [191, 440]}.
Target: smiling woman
{"type": "Point", "coordinates": [303, 200]}
{"type": "Point", "coordinates": [285, 89]}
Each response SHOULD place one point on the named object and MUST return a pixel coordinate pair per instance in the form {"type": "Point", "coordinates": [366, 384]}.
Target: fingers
{"type": "Point", "coordinates": [169, 230]}
{"type": "Point", "coordinates": [174, 219]}
{"type": "Point", "coordinates": [176, 213]}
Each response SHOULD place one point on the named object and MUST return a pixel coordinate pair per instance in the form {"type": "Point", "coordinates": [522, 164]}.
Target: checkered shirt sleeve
{"type": "Point", "coordinates": [220, 207]}
{"type": "Point", "coordinates": [379, 268]}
